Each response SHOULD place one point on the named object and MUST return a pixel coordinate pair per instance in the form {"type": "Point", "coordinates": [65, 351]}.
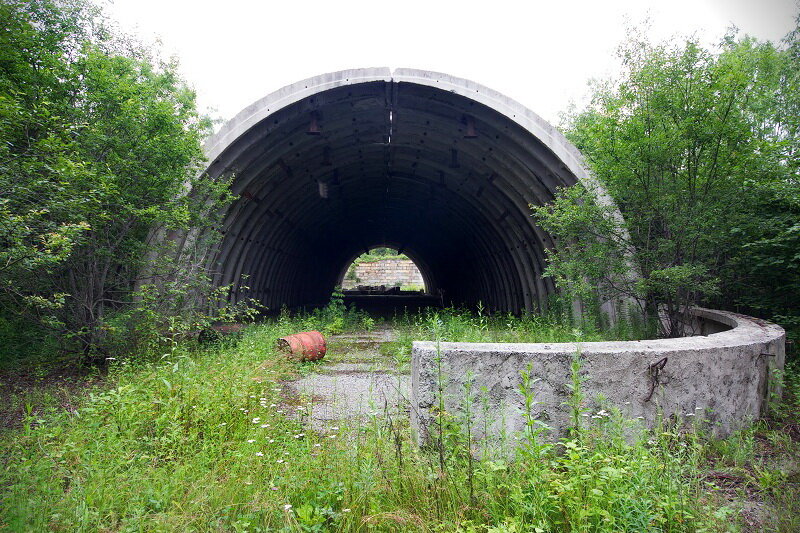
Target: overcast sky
{"type": "Point", "coordinates": [540, 53]}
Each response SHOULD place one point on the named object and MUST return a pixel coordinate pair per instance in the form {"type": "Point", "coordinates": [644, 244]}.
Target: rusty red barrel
{"type": "Point", "coordinates": [306, 346]}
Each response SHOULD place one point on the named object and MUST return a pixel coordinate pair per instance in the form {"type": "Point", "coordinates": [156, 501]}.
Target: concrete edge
{"type": "Point", "coordinates": [744, 330]}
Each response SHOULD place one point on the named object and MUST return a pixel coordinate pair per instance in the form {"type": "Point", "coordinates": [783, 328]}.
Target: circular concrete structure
{"type": "Point", "coordinates": [723, 377]}
{"type": "Point", "coordinates": [440, 168]}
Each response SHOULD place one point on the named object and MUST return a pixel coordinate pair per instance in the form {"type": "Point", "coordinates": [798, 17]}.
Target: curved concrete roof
{"type": "Point", "coordinates": [395, 163]}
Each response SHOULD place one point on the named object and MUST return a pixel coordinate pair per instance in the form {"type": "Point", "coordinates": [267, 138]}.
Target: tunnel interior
{"type": "Point", "coordinates": [439, 176]}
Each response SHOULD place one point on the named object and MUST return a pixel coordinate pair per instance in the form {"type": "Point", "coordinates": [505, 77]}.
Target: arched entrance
{"type": "Point", "coordinates": [440, 168]}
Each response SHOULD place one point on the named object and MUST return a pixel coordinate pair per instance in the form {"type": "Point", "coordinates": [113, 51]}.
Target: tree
{"type": "Point", "coordinates": [100, 143]}
{"type": "Point", "coordinates": [681, 142]}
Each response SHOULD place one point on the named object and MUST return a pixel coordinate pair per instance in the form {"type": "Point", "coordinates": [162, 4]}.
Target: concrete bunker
{"type": "Point", "coordinates": [439, 168]}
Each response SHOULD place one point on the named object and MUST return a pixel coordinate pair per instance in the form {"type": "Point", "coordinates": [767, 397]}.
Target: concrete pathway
{"type": "Point", "coordinates": [360, 376]}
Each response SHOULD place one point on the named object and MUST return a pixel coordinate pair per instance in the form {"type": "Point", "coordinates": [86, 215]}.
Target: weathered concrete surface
{"type": "Point", "coordinates": [721, 378]}
{"type": "Point", "coordinates": [353, 395]}
{"type": "Point", "coordinates": [352, 383]}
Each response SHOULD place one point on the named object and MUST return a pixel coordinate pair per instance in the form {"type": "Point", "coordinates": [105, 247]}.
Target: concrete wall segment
{"type": "Point", "coordinates": [723, 379]}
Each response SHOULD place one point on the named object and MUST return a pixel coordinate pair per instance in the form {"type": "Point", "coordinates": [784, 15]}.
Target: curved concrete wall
{"type": "Point", "coordinates": [722, 377]}
{"type": "Point", "coordinates": [440, 167]}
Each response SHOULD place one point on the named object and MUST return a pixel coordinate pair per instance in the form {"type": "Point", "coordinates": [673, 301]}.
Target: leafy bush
{"type": "Point", "coordinates": [699, 150]}
{"type": "Point", "coordinates": [100, 153]}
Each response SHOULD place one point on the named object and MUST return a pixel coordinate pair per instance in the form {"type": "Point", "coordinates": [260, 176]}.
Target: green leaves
{"type": "Point", "coordinates": [689, 143]}
{"type": "Point", "coordinates": [100, 142]}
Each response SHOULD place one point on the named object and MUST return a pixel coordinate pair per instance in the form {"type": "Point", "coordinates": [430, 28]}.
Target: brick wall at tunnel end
{"type": "Point", "coordinates": [388, 272]}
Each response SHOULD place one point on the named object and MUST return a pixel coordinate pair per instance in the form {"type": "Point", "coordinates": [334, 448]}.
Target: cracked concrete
{"type": "Point", "coordinates": [354, 382]}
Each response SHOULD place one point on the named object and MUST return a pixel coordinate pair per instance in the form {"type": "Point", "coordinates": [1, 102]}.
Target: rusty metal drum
{"type": "Point", "coordinates": [305, 346]}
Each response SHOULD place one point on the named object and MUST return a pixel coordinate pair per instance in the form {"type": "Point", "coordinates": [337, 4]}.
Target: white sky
{"type": "Point", "coordinates": [541, 53]}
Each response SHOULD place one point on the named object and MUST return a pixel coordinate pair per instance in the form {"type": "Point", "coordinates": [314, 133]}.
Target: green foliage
{"type": "Point", "coordinates": [460, 325]}
{"type": "Point", "coordinates": [203, 440]}
{"type": "Point", "coordinates": [100, 142]}
{"type": "Point", "coordinates": [378, 254]}
{"type": "Point", "coordinates": [332, 319]}
{"type": "Point", "coordinates": [700, 153]}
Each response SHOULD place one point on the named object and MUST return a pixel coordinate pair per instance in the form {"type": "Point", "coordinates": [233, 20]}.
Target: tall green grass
{"type": "Point", "coordinates": [460, 325]}
{"type": "Point", "coordinates": [205, 439]}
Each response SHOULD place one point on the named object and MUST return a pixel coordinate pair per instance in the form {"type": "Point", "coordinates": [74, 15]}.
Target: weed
{"type": "Point", "coordinates": [201, 438]}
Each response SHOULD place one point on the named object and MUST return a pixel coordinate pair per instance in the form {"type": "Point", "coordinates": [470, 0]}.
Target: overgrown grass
{"type": "Point", "coordinates": [332, 319]}
{"type": "Point", "coordinates": [203, 439]}
{"type": "Point", "coordinates": [459, 325]}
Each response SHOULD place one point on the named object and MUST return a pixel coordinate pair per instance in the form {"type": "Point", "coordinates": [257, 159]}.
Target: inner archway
{"type": "Point", "coordinates": [439, 168]}
{"type": "Point", "coordinates": [382, 270]}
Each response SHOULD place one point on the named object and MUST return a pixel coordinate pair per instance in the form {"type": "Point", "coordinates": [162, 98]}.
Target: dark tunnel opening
{"type": "Point", "coordinates": [328, 168]}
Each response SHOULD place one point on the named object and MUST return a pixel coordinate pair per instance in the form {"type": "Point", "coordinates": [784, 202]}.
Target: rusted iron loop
{"type": "Point", "coordinates": [653, 371]}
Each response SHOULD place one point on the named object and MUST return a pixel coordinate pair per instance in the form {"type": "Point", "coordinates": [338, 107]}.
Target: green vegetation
{"type": "Point", "coordinates": [458, 325]}
{"type": "Point", "coordinates": [700, 149]}
{"type": "Point", "coordinates": [205, 439]}
{"type": "Point", "coordinates": [100, 142]}
{"type": "Point", "coordinates": [100, 160]}
{"type": "Point", "coordinates": [332, 319]}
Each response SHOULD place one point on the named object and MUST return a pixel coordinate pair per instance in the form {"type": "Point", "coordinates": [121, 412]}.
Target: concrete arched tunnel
{"type": "Point", "coordinates": [440, 168]}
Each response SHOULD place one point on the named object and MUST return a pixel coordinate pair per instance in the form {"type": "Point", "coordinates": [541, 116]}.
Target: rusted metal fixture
{"type": "Point", "coordinates": [305, 346]}
{"type": "Point", "coordinates": [470, 133]}
{"type": "Point", "coordinates": [313, 126]}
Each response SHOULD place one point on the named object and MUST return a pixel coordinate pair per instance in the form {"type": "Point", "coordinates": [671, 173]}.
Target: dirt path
{"type": "Point", "coordinates": [360, 376]}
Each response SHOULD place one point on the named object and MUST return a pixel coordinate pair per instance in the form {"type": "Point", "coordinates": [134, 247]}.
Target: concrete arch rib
{"type": "Point", "coordinates": [397, 167]}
